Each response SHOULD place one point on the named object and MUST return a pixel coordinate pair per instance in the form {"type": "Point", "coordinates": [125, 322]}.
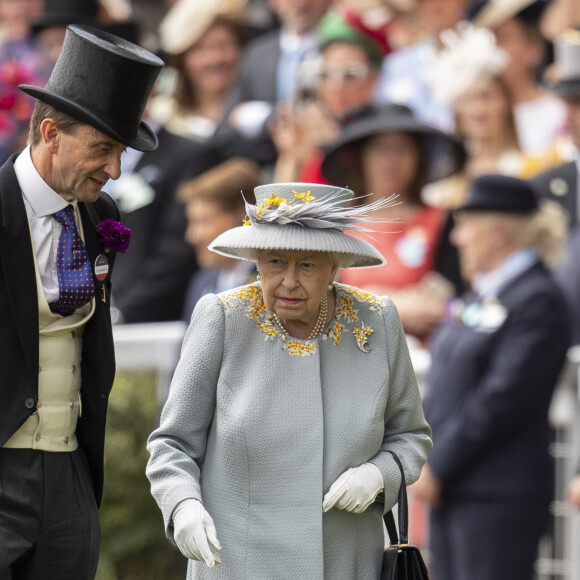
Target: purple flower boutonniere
{"type": "Point", "coordinates": [115, 236]}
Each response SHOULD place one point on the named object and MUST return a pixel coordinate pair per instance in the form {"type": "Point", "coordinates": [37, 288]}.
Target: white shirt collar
{"type": "Point", "coordinates": [292, 42]}
{"type": "Point", "coordinates": [43, 200]}
{"type": "Point", "coordinates": [491, 283]}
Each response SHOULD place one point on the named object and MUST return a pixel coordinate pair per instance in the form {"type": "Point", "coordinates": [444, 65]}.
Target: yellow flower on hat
{"type": "Point", "coordinates": [272, 200]}
{"type": "Point", "coordinates": [305, 196]}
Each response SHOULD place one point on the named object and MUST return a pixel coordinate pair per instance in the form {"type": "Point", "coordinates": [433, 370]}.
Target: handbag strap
{"type": "Point", "coordinates": [403, 512]}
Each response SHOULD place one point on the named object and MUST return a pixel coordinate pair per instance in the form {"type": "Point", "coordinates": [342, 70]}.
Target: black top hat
{"type": "Point", "coordinates": [104, 81]}
{"type": "Point", "coordinates": [444, 155]}
{"type": "Point", "coordinates": [563, 77]}
{"type": "Point", "coordinates": [500, 193]}
{"type": "Point", "coordinates": [65, 12]}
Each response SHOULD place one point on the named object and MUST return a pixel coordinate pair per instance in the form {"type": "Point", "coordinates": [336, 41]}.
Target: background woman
{"type": "Point", "coordinates": [382, 151]}
{"type": "Point", "coordinates": [467, 74]}
{"type": "Point", "coordinates": [203, 41]}
{"type": "Point", "coordinates": [495, 362]}
{"type": "Point", "coordinates": [271, 438]}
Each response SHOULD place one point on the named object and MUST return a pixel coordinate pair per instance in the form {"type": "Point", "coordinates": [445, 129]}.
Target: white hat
{"type": "Point", "coordinates": [188, 20]}
{"type": "Point", "coordinates": [469, 52]}
{"type": "Point", "coordinates": [304, 217]}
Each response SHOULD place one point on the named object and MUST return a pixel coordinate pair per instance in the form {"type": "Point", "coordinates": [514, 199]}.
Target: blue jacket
{"type": "Point", "coordinates": [489, 392]}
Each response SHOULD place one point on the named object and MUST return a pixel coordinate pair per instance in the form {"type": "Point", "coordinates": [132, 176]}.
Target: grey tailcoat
{"type": "Point", "coordinates": [258, 428]}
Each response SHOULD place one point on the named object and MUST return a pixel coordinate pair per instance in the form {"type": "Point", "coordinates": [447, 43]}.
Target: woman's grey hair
{"type": "Point", "coordinates": [44, 111]}
{"type": "Point", "coordinates": [338, 259]}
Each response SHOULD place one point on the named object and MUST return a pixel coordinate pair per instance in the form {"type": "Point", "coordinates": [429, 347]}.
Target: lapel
{"type": "Point", "coordinates": [17, 263]}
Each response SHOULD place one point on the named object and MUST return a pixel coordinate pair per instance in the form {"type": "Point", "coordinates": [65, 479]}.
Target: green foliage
{"type": "Point", "coordinates": [134, 546]}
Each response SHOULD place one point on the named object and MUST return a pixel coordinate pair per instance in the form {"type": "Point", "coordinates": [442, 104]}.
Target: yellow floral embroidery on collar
{"type": "Point", "coordinates": [345, 315]}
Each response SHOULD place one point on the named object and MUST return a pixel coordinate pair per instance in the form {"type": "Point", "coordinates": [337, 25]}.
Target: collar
{"type": "Point", "coordinates": [292, 42]}
{"type": "Point", "coordinates": [43, 200]}
{"type": "Point", "coordinates": [491, 283]}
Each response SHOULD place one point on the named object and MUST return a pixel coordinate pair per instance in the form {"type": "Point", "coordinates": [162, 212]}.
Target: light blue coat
{"type": "Point", "coordinates": [258, 428]}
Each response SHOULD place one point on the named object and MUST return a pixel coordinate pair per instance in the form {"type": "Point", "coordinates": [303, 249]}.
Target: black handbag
{"type": "Point", "coordinates": [401, 561]}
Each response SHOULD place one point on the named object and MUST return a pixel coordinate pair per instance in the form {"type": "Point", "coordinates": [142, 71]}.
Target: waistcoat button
{"type": "Point", "coordinates": [37, 437]}
{"type": "Point", "coordinates": [66, 440]}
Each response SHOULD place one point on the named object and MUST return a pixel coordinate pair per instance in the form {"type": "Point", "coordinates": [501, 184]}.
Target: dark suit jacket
{"type": "Point", "coordinates": [547, 188]}
{"type": "Point", "coordinates": [258, 76]}
{"type": "Point", "coordinates": [489, 394]}
{"type": "Point", "coordinates": [19, 325]}
{"type": "Point", "coordinates": [152, 277]}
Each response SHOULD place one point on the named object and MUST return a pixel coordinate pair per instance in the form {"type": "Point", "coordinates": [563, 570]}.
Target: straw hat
{"type": "Point", "coordinates": [444, 155]}
{"type": "Point", "coordinates": [187, 21]}
{"type": "Point", "coordinates": [304, 217]}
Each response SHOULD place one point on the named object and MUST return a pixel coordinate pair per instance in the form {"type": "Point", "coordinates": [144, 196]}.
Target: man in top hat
{"type": "Point", "coordinates": [58, 238]}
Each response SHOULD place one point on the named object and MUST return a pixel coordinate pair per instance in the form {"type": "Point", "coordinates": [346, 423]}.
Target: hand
{"type": "Point", "coordinates": [573, 491]}
{"type": "Point", "coordinates": [355, 490]}
{"type": "Point", "coordinates": [428, 487]}
{"type": "Point", "coordinates": [193, 527]}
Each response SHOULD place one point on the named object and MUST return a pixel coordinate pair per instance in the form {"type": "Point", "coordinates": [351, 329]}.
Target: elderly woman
{"type": "Point", "coordinates": [495, 363]}
{"type": "Point", "coordinates": [289, 395]}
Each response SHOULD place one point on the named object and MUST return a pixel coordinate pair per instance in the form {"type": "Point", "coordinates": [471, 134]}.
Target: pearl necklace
{"type": "Point", "coordinates": [320, 321]}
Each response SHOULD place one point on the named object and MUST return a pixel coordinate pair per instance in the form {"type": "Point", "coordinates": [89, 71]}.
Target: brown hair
{"type": "Point", "coordinates": [44, 111]}
{"type": "Point", "coordinates": [225, 184]}
{"type": "Point", "coordinates": [184, 94]}
{"type": "Point", "coordinates": [512, 139]}
{"type": "Point", "coordinates": [356, 180]}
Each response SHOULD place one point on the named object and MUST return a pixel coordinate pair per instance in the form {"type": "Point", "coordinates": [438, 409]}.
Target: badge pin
{"type": "Point", "coordinates": [559, 186]}
{"type": "Point", "coordinates": [101, 267]}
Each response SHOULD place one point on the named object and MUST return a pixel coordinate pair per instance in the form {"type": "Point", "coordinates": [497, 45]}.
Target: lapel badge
{"type": "Point", "coordinates": [101, 267]}
{"type": "Point", "coordinates": [559, 186]}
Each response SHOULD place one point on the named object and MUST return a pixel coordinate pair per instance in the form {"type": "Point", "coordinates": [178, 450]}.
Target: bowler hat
{"type": "Point", "coordinates": [104, 81]}
{"type": "Point", "coordinates": [501, 193]}
{"type": "Point", "coordinates": [444, 155]}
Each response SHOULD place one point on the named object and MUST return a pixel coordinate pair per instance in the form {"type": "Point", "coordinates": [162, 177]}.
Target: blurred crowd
{"type": "Point", "coordinates": [408, 97]}
{"type": "Point", "coordinates": [416, 98]}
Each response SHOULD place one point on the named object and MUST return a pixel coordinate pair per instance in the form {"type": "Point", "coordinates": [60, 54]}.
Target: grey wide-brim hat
{"type": "Point", "coordinates": [304, 217]}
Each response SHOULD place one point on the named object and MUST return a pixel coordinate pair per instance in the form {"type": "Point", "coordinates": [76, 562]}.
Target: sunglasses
{"type": "Point", "coordinates": [350, 74]}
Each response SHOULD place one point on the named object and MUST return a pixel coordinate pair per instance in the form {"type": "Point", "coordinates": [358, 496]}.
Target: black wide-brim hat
{"type": "Point", "coordinates": [104, 81]}
{"type": "Point", "coordinates": [443, 154]}
{"type": "Point", "coordinates": [500, 193]}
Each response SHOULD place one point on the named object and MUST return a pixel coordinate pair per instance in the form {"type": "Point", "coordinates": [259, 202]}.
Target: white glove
{"type": "Point", "coordinates": [193, 527]}
{"type": "Point", "coordinates": [355, 490]}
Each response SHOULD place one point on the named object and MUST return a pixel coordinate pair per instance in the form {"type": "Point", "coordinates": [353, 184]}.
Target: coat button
{"type": "Point", "coordinates": [29, 403]}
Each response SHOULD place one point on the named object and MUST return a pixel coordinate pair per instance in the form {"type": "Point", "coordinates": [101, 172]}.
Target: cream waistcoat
{"type": "Point", "coordinates": [53, 426]}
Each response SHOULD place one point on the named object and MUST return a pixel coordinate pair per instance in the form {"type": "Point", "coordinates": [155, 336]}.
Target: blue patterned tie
{"type": "Point", "coordinates": [75, 279]}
